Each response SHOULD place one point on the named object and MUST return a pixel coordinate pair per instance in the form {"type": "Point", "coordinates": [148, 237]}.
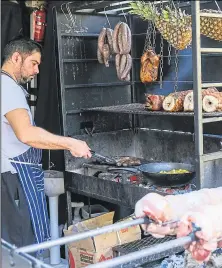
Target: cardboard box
{"type": "Point", "coordinates": [98, 248]}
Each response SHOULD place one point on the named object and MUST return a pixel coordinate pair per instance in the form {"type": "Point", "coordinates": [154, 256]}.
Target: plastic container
{"type": "Point", "coordinates": [96, 210]}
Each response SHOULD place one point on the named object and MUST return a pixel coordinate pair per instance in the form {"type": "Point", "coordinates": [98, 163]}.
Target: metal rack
{"type": "Point", "coordinates": [138, 108]}
{"type": "Point", "coordinates": [197, 86]}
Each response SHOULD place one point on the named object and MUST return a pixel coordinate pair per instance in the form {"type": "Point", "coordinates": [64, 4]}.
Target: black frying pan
{"type": "Point", "coordinates": [152, 172]}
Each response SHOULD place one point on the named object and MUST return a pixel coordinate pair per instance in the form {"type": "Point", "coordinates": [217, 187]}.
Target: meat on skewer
{"type": "Point", "coordinates": [209, 219]}
{"type": "Point", "coordinates": [173, 207]}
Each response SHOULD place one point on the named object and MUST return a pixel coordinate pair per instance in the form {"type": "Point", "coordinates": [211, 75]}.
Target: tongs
{"type": "Point", "coordinates": [102, 158]}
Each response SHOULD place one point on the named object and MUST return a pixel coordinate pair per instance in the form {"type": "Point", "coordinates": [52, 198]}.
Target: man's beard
{"type": "Point", "coordinates": [24, 80]}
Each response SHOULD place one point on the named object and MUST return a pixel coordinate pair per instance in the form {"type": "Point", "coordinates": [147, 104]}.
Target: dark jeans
{"type": "Point", "coordinates": [16, 226]}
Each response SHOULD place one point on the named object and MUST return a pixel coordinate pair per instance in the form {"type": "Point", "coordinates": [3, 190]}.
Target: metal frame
{"type": "Point", "coordinates": [197, 87]}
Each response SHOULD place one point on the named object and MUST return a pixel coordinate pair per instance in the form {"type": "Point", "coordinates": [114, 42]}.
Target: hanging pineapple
{"type": "Point", "coordinates": [210, 26]}
{"type": "Point", "coordinates": [174, 25]}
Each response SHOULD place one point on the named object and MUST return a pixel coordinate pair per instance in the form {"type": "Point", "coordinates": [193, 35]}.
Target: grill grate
{"type": "Point", "coordinates": [138, 108]}
{"type": "Point", "coordinates": [141, 244]}
{"type": "Point", "coordinates": [147, 242]}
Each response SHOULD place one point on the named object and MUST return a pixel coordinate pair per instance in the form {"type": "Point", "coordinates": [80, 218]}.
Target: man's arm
{"type": "Point", "coordinates": [39, 138]}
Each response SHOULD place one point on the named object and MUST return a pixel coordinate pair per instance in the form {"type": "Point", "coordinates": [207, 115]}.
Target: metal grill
{"type": "Point", "coordinates": [138, 108]}
{"type": "Point", "coordinates": [141, 244]}
{"type": "Point", "coordinates": [147, 242]}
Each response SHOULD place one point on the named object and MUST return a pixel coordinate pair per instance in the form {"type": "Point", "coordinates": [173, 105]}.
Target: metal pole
{"type": "Point", "coordinates": [54, 227]}
{"type": "Point", "coordinates": [84, 235]}
{"type": "Point", "coordinates": [198, 123]}
{"type": "Point", "coordinates": [144, 253]}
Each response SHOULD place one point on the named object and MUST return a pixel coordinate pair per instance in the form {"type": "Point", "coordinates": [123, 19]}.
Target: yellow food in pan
{"type": "Point", "coordinates": [175, 171]}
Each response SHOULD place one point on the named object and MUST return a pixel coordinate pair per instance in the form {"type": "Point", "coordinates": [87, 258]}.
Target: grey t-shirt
{"type": "Point", "coordinates": [12, 97]}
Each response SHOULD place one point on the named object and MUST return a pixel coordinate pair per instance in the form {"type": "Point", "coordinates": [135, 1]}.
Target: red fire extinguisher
{"type": "Point", "coordinates": [40, 24]}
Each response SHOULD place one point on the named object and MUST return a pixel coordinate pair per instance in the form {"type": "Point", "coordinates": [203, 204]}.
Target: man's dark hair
{"type": "Point", "coordinates": [21, 45]}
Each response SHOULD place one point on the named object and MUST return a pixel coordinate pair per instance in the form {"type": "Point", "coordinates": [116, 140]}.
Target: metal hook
{"type": "Point", "coordinates": [217, 5]}
{"type": "Point", "coordinates": [64, 11]}
{"type": "Point", "coordinates": [107, 18]}
{"type": "Point", "coordinates": [70, 14]}
{"type": "Point", "coordinates": [123, 13]}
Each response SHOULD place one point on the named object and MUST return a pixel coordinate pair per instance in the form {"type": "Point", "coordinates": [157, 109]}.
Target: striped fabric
{"type": "Point", "coordinates": [32, 180]}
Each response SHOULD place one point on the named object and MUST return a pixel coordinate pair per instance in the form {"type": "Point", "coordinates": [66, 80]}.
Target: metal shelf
{"type": "Point", "coordinates": [211, 50]}
{"type": "Point", "coordinates": [79, 35]}
{"type": "Point", "coordinates": [205, 85]}
{"type": "Point", "coordinates": [211, 15]}
{"type": "Point", "coordinates": [98, 85]}
{"type": "Point", "coordinates": [198, 52]}
{"type": "Point", "coordinates": [138, 108]}
{"type": "Point", "coordinates": [212, 156]}
{"type": "Point", "coordinates": [212, 119]}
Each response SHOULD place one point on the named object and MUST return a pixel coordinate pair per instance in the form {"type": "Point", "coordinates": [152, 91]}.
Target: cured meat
{"type": "Point", "coordinates": [189, 102]}
{"type": "Point", "coordinates": [100, 56]}
{"type": "Point", "coordinates": [209, 219]}
{"type": "Point", "coordinates": [101, 39]}
{"type": "Point", "coordinates": [212, 102]}
{"type": "Point", "coordinates": [128, 67]}
{"type": "Point", "coordinates": [174, 101]}
{"type": "Point", "coordinates": [173, 207]}
{"type": "Point", "coordinates": [149, 66]}
{"type": "Point", "coordinates": [154, 102]}
{"type": "Point", "coordinates": [117, 63]}
{"type": "Point", "coordinates": [125, 39]}
{"type": "Point", "coordinates": [106, 54]}
{"type": "Point", "coordinates": [109, 35]}
{"type": "Point", "coordinates": [115, 38]}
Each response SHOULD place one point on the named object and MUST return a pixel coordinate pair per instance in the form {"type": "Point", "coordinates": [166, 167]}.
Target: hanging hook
{"type": "Point", "coordinates": [123, 12]}
{"type": "Point", "coordinates": [217, 5]}
{"type": "Point", "coordinates": [107, 18]}
{"type": "Point", "coordinates": [70, 14]}
{"type": "Point", "coordinates": [64, 11]}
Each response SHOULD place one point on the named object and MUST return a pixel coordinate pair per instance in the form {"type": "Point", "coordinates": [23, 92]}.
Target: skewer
{"type": "Point", "coordinates": [80, 236]}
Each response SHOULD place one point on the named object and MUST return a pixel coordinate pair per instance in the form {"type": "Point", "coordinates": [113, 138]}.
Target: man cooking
{"type": "Point", "coordinates": [25, 221]}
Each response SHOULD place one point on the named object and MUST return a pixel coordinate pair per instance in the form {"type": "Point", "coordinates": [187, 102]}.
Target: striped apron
{"type": "Point", "coordinates": [31, 177]}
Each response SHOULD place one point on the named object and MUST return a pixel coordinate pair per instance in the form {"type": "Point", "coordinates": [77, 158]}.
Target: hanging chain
{"type": "Point", "coordinates": [148, 37]}
{"type": "Point", "coordinates": [161, 53]}
{"type": "Point", "coordinates": [169, 45]}
{"type": "Point", "coordinates": [176, 50]}
{"type": "Point", "coordinates": [154, 36]}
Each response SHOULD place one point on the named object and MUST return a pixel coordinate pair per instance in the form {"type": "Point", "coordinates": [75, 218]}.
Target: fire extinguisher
{"type": "Point", "coordinates": [40, 24]}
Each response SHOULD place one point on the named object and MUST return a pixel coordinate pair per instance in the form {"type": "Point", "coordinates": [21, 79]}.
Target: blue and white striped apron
{"type": "Point", "coordinates": [31, 177]}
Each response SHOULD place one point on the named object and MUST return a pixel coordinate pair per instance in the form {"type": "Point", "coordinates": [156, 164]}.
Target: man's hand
{"type": "Point", "coordinates": [79, 149]}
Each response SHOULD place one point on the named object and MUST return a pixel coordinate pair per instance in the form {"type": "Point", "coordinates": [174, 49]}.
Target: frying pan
{"type": "Point", "coordinates": [151, 171]}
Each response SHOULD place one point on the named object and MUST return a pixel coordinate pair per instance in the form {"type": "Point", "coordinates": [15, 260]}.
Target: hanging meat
{"type": "Point", "coordinates": [209, 219]}
{"type": "Point", "coordinates": [188, 103]}
{"type": "Point", "coordinates": [105, 46]}
{"type": "Point", "coordinates": [149, 66]}
{"type": "Point", "coordinates": [212, 102]}
{"type": "Point", "coordinates": [173, 207]}
{"type": "Point", "coordinates": [123, 66]}
{"type": "Point", "coordinates": [154, 102]}
{"type": "Point", "coordinates": [174, 101]}
{"type": "Point", "coordinates": [122, 39]}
